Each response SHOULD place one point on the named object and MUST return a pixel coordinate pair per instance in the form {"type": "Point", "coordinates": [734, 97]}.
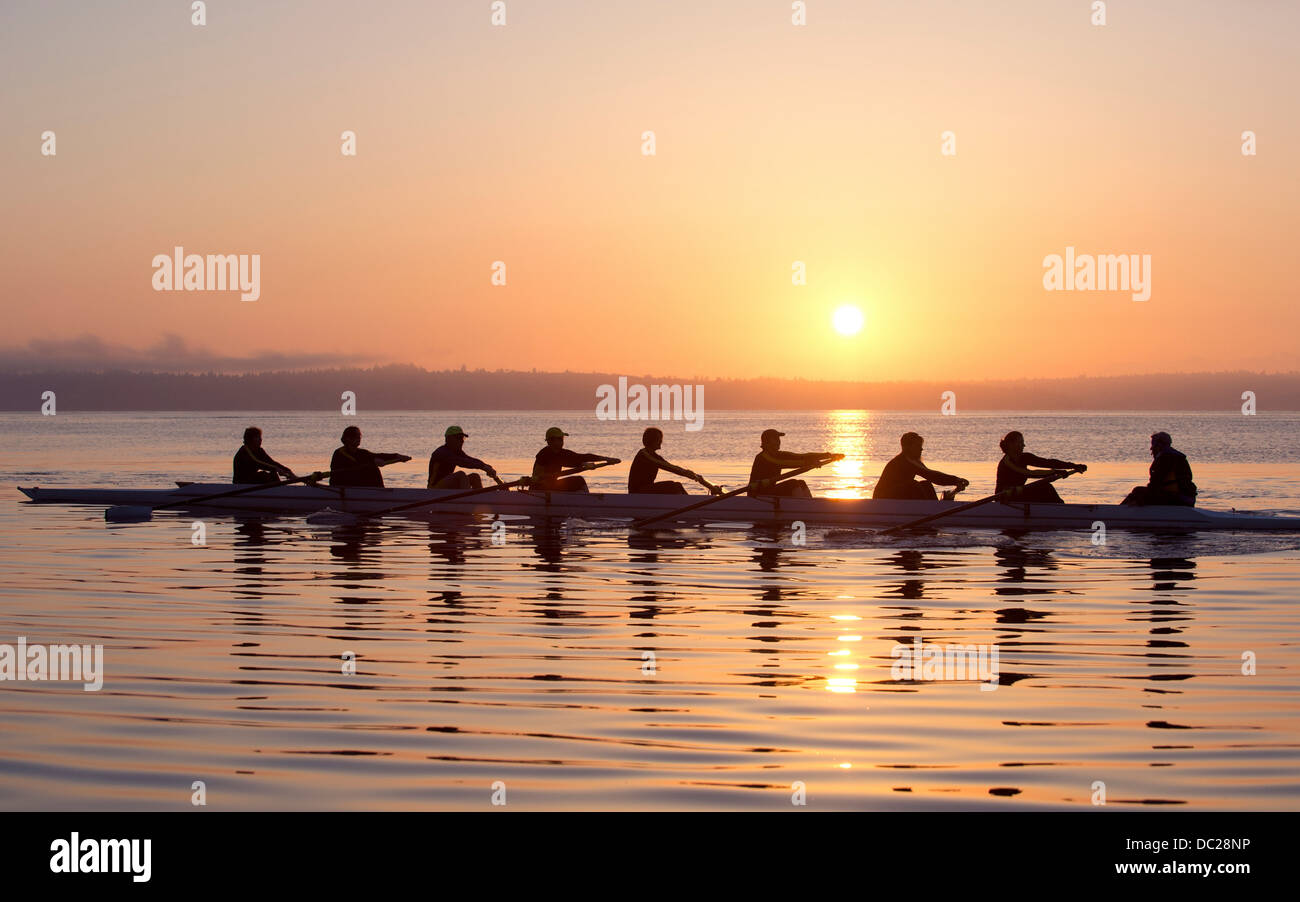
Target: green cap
{"type": "Point", "coordinates": [454, 430]}
{"type": "Point", "coordinates": [555, 432]}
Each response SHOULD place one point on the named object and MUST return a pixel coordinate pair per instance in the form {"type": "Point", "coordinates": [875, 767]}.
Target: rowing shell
{"type": "Point", "coordinates": [844, 512]}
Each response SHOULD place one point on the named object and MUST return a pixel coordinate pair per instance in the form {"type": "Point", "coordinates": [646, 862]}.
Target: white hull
{"type": "Point", "coordinates": [306, 499]}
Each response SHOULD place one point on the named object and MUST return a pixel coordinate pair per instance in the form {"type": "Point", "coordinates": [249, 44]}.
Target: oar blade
{"type": "Point", "coordinates": [128, 513]}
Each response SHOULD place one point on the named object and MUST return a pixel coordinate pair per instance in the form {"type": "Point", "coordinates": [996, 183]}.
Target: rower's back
{"type": "Point", "coordinates": [1171, 478]}
{"type": "Point", "coordinates": [356, 467]}
{"type": "Point", "coordinates": [248, 469]}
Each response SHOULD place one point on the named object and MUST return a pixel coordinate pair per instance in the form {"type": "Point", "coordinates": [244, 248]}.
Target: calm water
{"type": "Point", "coordinates": [526, 663]}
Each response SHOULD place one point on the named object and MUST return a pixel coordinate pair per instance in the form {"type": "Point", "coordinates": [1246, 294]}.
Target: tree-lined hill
{"type": "Point", "coordinates": [401, 387]}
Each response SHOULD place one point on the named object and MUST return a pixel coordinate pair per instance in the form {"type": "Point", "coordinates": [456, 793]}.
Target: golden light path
{"type": "Point", "coordinates": [839, 683]}
{"type": "Point", "coordinates": [849, 430]}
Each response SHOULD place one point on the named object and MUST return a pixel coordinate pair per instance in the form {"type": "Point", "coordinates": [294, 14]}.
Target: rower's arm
{"type": "Point", "coordinates": [789, 460]}
{"type": "Point", "coordinates": [671, 468]}
{"type": "Point", "coordinates": [941, 478]}
{"type": "Point", "coordinates": [264, 461]}
{"type": "Point", "coordinates": [1034, 474]}
{"type": "Point", "coordinates": [473, 463]}
{"type": "Point", "coordinates": [1049, 462]}
{"type": "Point", "coordinates": [268, 462]}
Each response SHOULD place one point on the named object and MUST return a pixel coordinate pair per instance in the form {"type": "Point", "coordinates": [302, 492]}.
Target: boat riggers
{"type": "Point", "coordinates": [332, 517]}
{"type": "Point", "coordinates": [761, 484]}
{"type": "Point", "coordinates": [134, 513]}
{"type": "Point", "coordinates": [1003, 495]}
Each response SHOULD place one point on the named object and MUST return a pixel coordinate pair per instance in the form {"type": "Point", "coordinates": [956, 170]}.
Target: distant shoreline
{"type": "Point", "coordinates": [409, 388]}
{"type": "Point", "coordinates": [582, 411]}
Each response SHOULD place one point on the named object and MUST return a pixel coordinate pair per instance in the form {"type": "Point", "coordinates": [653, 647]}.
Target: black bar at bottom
{"type": "Point", "coordinates": [639, 854]}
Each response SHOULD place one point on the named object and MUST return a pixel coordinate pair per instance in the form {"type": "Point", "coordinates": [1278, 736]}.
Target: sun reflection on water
{"type": "Point", "coordinates": [843, 684]}
{"type": "Point", "coordinates": [848, 437]}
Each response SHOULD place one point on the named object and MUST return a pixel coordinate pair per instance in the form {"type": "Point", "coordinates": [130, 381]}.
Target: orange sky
{"type": "Point", "coordinates": [775, 144]}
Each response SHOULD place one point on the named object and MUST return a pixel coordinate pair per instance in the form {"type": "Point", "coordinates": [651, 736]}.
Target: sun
{"type": "Point", "coordinates": [847, 320]}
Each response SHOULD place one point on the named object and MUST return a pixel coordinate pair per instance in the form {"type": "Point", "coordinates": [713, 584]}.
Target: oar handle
{"type": "Point", "coordinates": [965, 507]}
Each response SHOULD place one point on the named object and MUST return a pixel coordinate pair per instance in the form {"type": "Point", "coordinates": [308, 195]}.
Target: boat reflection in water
{"type": "Point", "coordinates": [451, 541]}
{"type": "Point", "coordinates": [250, 558]}
{"type": "Point", "coordinates": [548, 538]}
{"type": "Point", "coordinates": [1172, 574]}
{"type": "Point", "coordinates": [655, 559]}
{"type": "Point", "coordinates": [1017, 561]}
{"type": "Point", "coordinates": [349, 543]}
{"type": "Point", "coordinates": [909, 562]}
{"type": "Point", "coordinates": [1169, 659]}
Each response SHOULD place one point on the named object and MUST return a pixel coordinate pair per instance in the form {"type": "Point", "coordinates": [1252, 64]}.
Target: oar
{"type": "Point", "coordinates": [342, 518]}
{"type": "Point", "coordinates": [1005, 493]}
{"type": "Point", "coordinates": [640, 524]}
{"type": "Point", "coordinates": [131, 513]}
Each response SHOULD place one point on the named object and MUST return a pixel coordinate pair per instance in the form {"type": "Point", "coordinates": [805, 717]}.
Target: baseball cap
{"type": "Point", "coordinates": [454, 430]}
{"type": "Point", "coordinates": [771, 433]}
{"type": "Point", "coordinates": [555, 432]}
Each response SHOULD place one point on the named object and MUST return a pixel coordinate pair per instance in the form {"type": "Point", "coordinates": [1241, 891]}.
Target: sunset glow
{"type": "Point", "coordinates": [508, 406]}
{"type": "Point", "coordinates": [523, 145]}
{"type": "Point", "coordinates": [847, 320]}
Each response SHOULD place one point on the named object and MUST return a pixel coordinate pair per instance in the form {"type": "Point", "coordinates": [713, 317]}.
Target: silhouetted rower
{"type": "Point", "coordinates": [646, 466]}
{"type": "Point", "coordinates": [1014, 469]}
{"type": "Point", "coordinates": [252, 464]}
{"type": "Point", "coordinates": [451, 454]}
{"type": "Point", "coordinates": [771, 460]}
{"type": "Point", "coordinates": [1171, 477]}
{"type": "Point", "coordinates": [353, 465]}
{"type": "Point", "coordinates": [899, 480]}
{"type": "Point", "coordinates": [554, 458]}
